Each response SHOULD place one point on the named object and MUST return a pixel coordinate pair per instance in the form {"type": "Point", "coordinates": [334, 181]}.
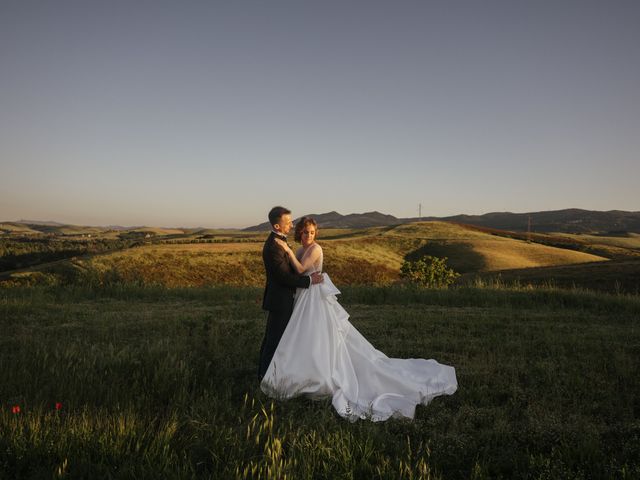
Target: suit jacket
{"type": "Point", "coordinates": [282, 279]}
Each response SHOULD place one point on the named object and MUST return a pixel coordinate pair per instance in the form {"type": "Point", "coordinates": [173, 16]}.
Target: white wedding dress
{"type": "Point", "coordinates": [322, 355]}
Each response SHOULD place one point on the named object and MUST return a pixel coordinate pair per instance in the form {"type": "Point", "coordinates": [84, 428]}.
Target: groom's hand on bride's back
{"type": "Point", "coordinates": [316, 278]}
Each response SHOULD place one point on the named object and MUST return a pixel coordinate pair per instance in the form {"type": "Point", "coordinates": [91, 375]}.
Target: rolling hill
{"type": "Point", "coordinates": [356, 256]}
{"type": "Point", "coordinates": [572, 220]}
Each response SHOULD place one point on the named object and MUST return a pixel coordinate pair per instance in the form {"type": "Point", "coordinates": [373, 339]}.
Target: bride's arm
{"type": "Point", "coordinates": [307, 261]}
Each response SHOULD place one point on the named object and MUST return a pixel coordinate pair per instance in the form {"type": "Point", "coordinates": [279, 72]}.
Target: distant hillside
{"type": "Point", "coordinates": [28, 227]}
{"type": "Point", "coordinates": [572, 220]}
{"type": "Point", "coordinates": [336, 220]}
{"type": "Point", "coordinates": [41, 223]}
{"type": "Point", "coordinates": [50, 228]}
{"type": "Point", "coordinates": [17, 229]}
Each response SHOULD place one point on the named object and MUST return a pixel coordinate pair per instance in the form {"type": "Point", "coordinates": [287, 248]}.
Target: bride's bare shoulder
{"type": "Point", "coordinates": [315, 248]}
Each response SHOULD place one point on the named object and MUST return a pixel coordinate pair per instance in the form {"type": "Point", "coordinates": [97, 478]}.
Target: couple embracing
{"type": "Point", "coordinates": [310, 347]}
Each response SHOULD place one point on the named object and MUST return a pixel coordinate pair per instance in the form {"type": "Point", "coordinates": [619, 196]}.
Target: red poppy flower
{"type": "Point", "coordinates": [58, 405]}
{"type": "Point", "coordinates": [15, 409]}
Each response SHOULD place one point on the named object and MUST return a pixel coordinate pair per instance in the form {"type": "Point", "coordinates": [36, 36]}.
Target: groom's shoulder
{"type": "Point", "coordinates": [269, 243]}
{"type": "Point", "coordinates": [270, 239]}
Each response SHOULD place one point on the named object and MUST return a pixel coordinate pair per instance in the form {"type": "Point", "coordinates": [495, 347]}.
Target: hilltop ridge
{"type": "Point", "coordinates": [336, 220]}
{"type": "Point", "coordinates": [571, 220]}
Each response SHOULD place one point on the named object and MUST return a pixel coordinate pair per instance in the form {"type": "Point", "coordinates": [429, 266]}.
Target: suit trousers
{"type": "Point", "coordinates": [276, 325]}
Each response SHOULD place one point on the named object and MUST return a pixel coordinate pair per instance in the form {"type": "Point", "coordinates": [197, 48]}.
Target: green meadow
{"type": "Point", "coordinates": [153, 382]}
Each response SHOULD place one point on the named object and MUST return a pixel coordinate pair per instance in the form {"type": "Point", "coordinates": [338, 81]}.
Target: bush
{"type": "Point", "coordinates": [430, 272]}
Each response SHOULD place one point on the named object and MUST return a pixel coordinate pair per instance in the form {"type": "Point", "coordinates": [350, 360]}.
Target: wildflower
{"type": "Point", "coordinates": [58, 406]}
{"type": "Point", "coordinates": [15, 409]}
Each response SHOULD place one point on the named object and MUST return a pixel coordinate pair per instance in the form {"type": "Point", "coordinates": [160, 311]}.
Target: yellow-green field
{"type": "Point", "coordinates": [365, 256]}
{"type": "Point", "coordinates": [373, 256]}
{"type": "Point", "coordinates": [627, 240]}
{"type": "Point", "coordinates": [16, 228]}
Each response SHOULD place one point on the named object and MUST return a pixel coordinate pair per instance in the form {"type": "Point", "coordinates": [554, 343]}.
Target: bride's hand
{"type": "Point", "coordinates": [284, 245]}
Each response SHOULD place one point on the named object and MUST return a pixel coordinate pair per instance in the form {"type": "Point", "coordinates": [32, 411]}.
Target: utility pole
{"type": "Point", "coordinates": [529, 230]}
{"type": "Point", "coordinates": [419, 212]}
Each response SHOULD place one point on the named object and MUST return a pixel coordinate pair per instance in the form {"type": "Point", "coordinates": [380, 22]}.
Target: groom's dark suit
{"type": "Point", "coordinates": [282, 281]}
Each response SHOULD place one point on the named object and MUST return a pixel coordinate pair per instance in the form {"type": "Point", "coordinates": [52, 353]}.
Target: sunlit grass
{"type": "Point", "coordinates": [627, 240]}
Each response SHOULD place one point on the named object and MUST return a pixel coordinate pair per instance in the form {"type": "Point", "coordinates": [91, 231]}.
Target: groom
{"type": "Point", "coordinates": [282, 281]}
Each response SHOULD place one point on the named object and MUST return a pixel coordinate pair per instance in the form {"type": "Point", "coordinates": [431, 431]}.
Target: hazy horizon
{"type": "Point", "coordinates": [209, 113]}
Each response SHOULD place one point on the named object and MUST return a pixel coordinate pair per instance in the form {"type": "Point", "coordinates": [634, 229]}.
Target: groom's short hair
{"type": "Point", "coordinates": [276, 213]}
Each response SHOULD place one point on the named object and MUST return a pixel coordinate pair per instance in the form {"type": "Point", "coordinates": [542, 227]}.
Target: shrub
{"type": "Point", "coordinates": [428, 271]}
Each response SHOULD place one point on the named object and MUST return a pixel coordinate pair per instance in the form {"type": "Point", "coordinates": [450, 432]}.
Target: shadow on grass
{"type": "Point", "coordinates": [460, 256]}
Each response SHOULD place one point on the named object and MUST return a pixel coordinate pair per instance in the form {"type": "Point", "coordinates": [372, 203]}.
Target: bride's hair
{"type": "Point", "coordinates": [300, 226]}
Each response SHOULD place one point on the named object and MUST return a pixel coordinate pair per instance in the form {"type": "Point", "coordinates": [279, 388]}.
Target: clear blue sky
{"type": "Point", "coordinates": [208, 113]}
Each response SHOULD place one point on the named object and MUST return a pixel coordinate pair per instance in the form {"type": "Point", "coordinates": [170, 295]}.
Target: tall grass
{"type": "Point", "coordinates": [161, 383]}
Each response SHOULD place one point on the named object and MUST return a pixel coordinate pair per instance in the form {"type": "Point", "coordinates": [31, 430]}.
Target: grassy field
{"type": "Point", "coordinates": [131, 382]}
{"type": "Point", "coordinates": [616, 276]}
{"type": "Point", "coordinates": [626, 240]}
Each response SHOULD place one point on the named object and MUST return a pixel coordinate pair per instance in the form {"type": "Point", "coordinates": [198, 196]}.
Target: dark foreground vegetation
{"type": "Point", "coordinates": [141, 382]}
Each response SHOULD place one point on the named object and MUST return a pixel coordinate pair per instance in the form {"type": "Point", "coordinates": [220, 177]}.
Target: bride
{"type": "Point", "coordinates": [322, 355]}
